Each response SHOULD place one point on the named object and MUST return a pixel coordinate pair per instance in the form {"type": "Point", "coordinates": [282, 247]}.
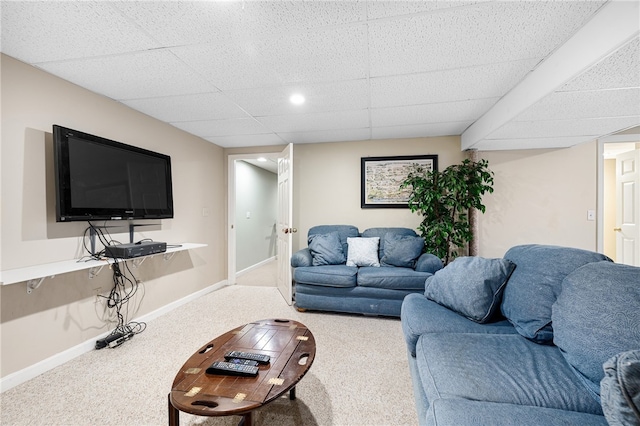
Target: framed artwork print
{"type": "Point", "coordinates": [382, 177]}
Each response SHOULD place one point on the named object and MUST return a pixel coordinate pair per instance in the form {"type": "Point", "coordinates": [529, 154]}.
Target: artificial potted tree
{"type": "Point", "coordinates": [445, 200]}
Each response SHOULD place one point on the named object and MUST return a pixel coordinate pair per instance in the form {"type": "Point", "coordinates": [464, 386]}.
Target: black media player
{"type": "Point", "coordinates": [128, 251]}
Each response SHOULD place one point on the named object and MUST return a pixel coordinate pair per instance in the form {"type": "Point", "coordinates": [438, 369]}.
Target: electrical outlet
{"type": "Point", "coordinates": [591, 215]}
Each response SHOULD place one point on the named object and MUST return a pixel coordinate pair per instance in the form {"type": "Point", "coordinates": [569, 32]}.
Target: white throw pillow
{"type": "Point", "coordinates": [363, 251]}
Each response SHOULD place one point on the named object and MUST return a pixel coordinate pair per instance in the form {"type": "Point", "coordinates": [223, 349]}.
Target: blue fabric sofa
{"type": "Point", "coordinates": [343, 270]}
{"type": "Point", "coordinates": [546, 335]}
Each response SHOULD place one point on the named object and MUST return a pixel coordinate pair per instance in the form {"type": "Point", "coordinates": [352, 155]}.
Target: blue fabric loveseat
{"type": "Point", "coordinates": [343, 270]}
{"type": "Point", "coordinates": [546, 335]}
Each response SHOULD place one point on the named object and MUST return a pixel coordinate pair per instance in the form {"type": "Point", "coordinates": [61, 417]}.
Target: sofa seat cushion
{"type": "Point", "coordinates": [462, 412]}
{"type": "Point", "coordinates": [536, 283]}
{"type": "Point", "coordinates": [597, 316]}
{"type": "Point", "coordinates": [328, 275]}
{"type": "Point", "coordinates": [504, 368]}
{"type": "Point", "coordinates": [392, 278]}
{"type": "Point", "coordinates": [420, 315]}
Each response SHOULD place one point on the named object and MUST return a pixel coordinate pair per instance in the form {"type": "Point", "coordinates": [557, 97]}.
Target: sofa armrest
{"type": "Point", "coordinates": [428, 262]}
{"type": "Point", "coordinates": [301, 258]}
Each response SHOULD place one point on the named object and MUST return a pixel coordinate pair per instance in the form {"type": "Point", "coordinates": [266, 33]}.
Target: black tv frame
{"type": "Point", "coordinates": [66, 212]}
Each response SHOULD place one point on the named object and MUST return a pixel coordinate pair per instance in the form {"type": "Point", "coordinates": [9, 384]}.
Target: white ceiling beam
{"type": "Point", "coordinates": [615, 24]}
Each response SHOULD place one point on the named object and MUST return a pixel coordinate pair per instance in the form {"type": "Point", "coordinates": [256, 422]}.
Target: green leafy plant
{"type": "Point", "coordinates": [445, 199]}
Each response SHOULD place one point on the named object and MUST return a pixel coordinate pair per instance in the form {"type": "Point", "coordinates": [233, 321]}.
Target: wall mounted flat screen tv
{"type": "Point", "coordinates": [101, 179]}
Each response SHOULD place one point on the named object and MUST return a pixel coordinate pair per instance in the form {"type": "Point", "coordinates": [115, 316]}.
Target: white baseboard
{"type": "Point", "coordinates": [14, 379]}
{"type": "Point", "coordinates": [257, 265]}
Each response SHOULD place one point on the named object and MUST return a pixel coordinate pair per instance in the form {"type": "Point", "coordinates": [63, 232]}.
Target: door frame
{"type": "Point", "coordinates": [231, 207]}
{"type": "Point", "coordinates": [620, 138]}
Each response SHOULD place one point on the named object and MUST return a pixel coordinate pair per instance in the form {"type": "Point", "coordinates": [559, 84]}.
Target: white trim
{"type": "Point", "coordinates": [28, 373]}
{"type": "Point", "coordinates": [257, 265]}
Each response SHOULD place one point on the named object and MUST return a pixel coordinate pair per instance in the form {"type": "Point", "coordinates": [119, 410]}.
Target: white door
{"type": "Point", "coordinates": [627, 208]}
{"type": "Point", "coordinates": [285, 227]}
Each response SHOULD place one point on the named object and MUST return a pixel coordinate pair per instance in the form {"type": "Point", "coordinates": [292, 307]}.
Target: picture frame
{"type": "Point", "coordinates": [381, 178]}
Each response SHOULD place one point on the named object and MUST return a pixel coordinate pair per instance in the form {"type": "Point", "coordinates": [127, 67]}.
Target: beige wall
{"type": "Point", "coordinates": [326, 176]}
{"type": "Point", "coordinates": [540, 196]}
{"type": "Point", "coordinates": [62, 313]}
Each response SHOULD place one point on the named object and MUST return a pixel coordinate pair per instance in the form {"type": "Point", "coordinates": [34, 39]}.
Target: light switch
{"type": "Point", "coordinates": [591, 215]}
{"type": "Point", "coordinates": [248, 215]}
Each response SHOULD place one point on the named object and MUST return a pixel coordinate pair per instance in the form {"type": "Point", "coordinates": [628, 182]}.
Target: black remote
{"type": "Point", "coordinates": [242, 361]}
{"type": "Point", "coordinates": [231, 369]}
{"type": "Point", "coordinates": [261, 358]}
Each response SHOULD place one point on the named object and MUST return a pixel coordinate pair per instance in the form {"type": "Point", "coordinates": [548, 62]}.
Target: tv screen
{"type": "Point", "coordinates": [101, 179]}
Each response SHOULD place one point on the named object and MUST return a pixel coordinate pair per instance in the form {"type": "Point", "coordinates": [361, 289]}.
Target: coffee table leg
{"type": "Point", "coordinates": [247, 419]}
{"type": "Point", "coordinates": [292, 393]}
{"type": "Point", "coordinates": [174, 414]}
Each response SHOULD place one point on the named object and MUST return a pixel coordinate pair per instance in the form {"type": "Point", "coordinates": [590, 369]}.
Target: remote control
{"type": "Point", "coordinates": [242, 361]}
{"type": "Point", "coordinates": [228, 368]}
{"type": "Point", "coordinates": [261, 358]}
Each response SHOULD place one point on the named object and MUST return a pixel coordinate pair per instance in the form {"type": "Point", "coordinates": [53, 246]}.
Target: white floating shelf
{"type": "Point", "coordinates": [35, 274]}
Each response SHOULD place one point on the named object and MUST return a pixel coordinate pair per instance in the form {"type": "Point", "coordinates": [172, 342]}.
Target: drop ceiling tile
{"type": "Point", "coordinates": [328, 55]}
{"type": "Point", "coordinates": [200, 106]}
{"type": "Point", "coordinates": [337, 96]}
{"type": "Point", "coordinates": [385, 9]}
{"type": "Point", "coordinates": [332, 120]}
{"type": "Point", "coordinates": [589, 104]}
{"type": "Point", "coordinates": [431, 113]}
{"type": "Point", "coordinates": [485, 33]}
{"type": "Point", "coordinates": [42, 31]}
{"type": "Point", "coordinates": [619, 70]}
{"type": "Point", "coordinates": [532, 143]}
{"type": "Point", "coordinates": [563, 128]}
{"type": "Point", "coordinates": [210, 128]}
{"type": "Point", "coordinates": [420, 130]}
{"type": "Point", "coordinates": [480, 82]}
{"type": "Point", "coordinates": [132, 76]}
{"type": "Point", "coordinates": [176, 23]}
{"type": "Point", "coordinates": [343, 135]}
{"type": "Point", "coordinates": [239, 141]}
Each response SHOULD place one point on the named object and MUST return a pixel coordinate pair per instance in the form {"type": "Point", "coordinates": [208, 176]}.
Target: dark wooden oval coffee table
{"type": "Point", "coordinates": [292, 349]}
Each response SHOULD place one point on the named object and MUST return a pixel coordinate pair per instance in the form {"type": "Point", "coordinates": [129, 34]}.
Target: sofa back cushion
{"type": "Point", "coordinates": [597, 316]}
{"type": "Point", "coordinates": [402, 251]}
{"type": "Point", "coordinates": [381, 232]}
{"type": "Point", "coordinates": [344, 232]}
{"type": "Point", "coordinates": [535, 285]}
{"type": "Point", "coordinates": [471, 286]}
{"type": "Point", "coordinates": [326, 249]}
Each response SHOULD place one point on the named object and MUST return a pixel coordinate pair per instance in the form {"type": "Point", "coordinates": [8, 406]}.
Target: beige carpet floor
{"type": "Point", "coordinates": [360, 374]}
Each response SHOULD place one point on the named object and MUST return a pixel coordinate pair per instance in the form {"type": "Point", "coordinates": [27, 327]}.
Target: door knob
{"type": "Point", "coordinates": [285, 230]}
{"type": "Point", "coordinates": [617, 229]}
{"type": "Point", "coordinates": [293, 230]}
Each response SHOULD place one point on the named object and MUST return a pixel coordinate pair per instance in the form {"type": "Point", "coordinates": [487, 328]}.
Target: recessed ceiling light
{"type": "Point", "coordinates": [297, 99]}
{"type": "Point", "coordinates": [262, 159]}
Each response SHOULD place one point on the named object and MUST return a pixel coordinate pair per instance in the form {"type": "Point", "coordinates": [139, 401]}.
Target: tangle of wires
{"type": "Point", "coordinates": [124, 287]}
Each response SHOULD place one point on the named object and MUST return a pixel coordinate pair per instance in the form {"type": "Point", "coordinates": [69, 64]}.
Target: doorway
{"type": "Point", "coordinates": [610, 232]}
{"type": "Point", "coordinates": [250, 222]}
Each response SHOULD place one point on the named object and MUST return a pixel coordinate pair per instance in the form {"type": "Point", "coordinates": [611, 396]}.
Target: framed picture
{"type": "Point", "coordinates": [382, 177]}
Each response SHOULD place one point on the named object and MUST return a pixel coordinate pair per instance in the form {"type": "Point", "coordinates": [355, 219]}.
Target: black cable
{"type": "Point", "coordinates": [124, 288]}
